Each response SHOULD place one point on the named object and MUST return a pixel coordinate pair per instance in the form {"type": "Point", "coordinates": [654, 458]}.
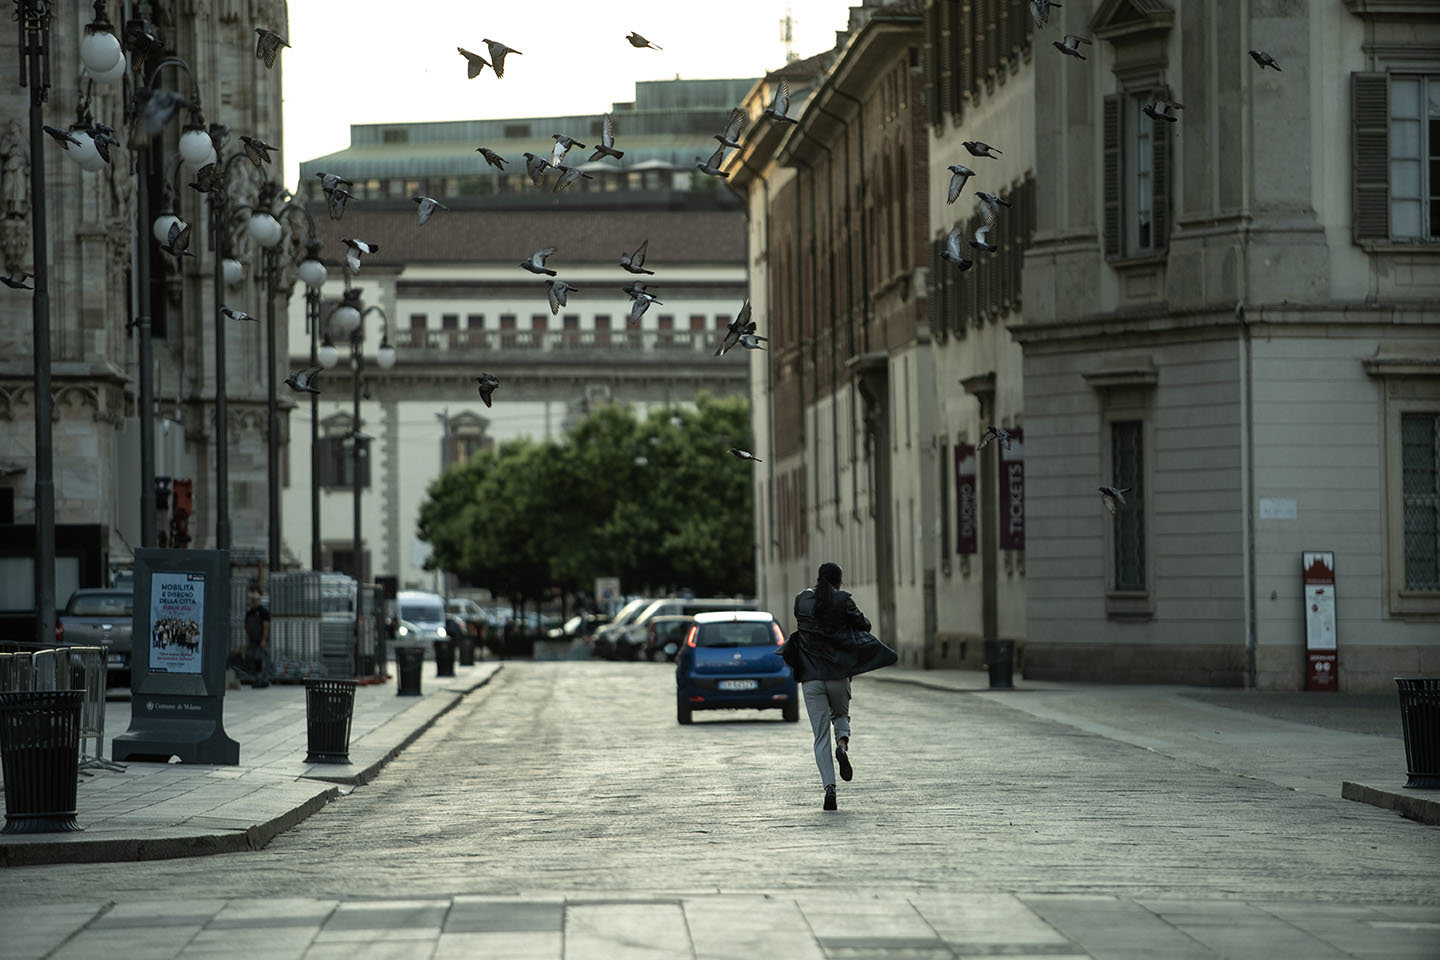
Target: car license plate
{"type": "Point", "coordinates": [117, 659]}
{"type": "Point", "coordinates": [739, 684]}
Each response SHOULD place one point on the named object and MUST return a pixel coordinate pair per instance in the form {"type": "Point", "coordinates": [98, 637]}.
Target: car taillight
{"type": "Point", "coordinates": [690, 637]}
{"type": "Point", "coordinates": [779, 637]}
{"type": "Point", "coordinates": [59, 632]}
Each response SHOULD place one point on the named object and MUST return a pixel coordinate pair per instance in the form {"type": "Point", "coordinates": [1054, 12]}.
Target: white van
{"type": "Point", "coordinates": [422, 616]}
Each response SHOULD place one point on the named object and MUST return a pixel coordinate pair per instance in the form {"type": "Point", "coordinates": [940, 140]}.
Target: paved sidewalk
{"type": "Point", "coordinates": [154, 811]}
{"type": "Point", "coordinates": [1349, 745]}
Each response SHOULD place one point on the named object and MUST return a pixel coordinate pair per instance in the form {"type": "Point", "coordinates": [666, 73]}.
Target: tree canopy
{"type": "Point", "coordinates": [659, 503]}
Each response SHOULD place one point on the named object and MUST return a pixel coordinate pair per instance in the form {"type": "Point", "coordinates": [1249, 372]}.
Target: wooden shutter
{"type": "Point", "coordinates": [1114, 225]}
{"type": "Point", "coordinates": [1370, 156]}
{"type": "Point", "coordinates": [1160, 186]}
{"type": "Point", "coordinates": [945, 89]}
{"type": "Point", "coordinates": [932, 69]}
{"type": "Point", "coordinates": [940, 302]}
{"type": "Point", "coordinates": [965, 47]}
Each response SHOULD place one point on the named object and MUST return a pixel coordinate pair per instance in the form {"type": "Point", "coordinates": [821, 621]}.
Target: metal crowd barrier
{"type": "Point", "coordinates": [67, 668]}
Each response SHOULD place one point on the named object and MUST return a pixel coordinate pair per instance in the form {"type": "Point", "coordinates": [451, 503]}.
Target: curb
{"type": "Point", "coordinates": [948, 688]}
{"type": "Point", "coordinates": [203, 844]}
{"type": "Point", "coordinates": [1420, 809]}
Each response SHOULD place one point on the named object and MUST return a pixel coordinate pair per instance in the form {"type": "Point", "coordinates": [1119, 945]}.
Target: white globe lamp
{"type": "Point", "coordinates": [111, 75]}
{"type": "Point", "coordinates": [196, 149]}
{"type": "Point", "coordinates": [346, 319]}
{"type": "Point", "coordinates": [234, 271]}
{"type": "Point", "coordinates": [163, 223]}
{"type": "Point", "coordinates": [313, 273]}
{"type": "Point", "coordinates": [264, 229]}
{"type": "Point", "coordinates": [385, 356]}
{"type": "Point", "coordinates": [100, 50]}
{"type": "Point", "coordinates": [327, 354]}
{"type": "Point", "coordinates": [87, 155]}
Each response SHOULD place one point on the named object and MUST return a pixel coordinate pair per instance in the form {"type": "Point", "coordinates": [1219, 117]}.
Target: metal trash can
{"type": "Point", "coordinates": [1420, 718]}
{"type": "Point", "coordinates": [40, 754]}
{"type": "Point", "coordinates": [408, 661]}
{"type": "Point", "coordinates": [329, 705]}
{"type": "Point", "coordinates": [1000, 661]}
{"type": "Point", "coordinates": [444, 658]}
{"type": "Point", "coordinates": [467, 650]}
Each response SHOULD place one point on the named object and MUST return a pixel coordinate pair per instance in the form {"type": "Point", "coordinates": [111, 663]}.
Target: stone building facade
{"type": "Point", "coordinates": [92, 233]}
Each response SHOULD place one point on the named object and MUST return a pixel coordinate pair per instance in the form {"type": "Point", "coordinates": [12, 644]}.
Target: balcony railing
{"type": "Point", "coordinates": [576, 343]}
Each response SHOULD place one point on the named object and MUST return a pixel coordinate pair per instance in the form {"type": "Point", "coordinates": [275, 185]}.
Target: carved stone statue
{"type": "Point", "coordinates": [15, 173]}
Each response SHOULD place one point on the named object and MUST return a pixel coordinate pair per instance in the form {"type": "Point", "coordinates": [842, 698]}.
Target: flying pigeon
{"type": "Point", "coordinates": [1040, 10]}
{"type": "Point", "coordinates": [991, 204]}
{"type": "Point", "coordinates": [488, 383]}
{"type": "Point", "coordinates": [634, 288]}
{"type": "Point", "coordinates": [639, 42]}
{"type": "Point", "coordinates": [491, 157]}
{"type": "Point", "coordinates": [300, 381]}
{"type": "Point", "coordinates": [237, 314]}
{"type": "Point", "coordinates": [562, 147]}
{"type": "Point", "coordinates": [207, 178]}
{"type": "Point", "coordinates": [1265, 60]}
{"type": "Point", "coordinates": [635, 262]}
{"type": "Point", "coordinates": [160, 107]}
{"type": "Point", "coordinates": [19, 283]}
{"type": "Point", "coordinates": [535, 167]}
{"type": "Point", "coordinates": [536, 263]}
{"type": "Point", "coordinates": [742, 324]}
{"type": "Point", "coordinates": [712, 166]}
{"type": "Point", "coordinates": [734, 123]}
{"type": "Point", "coordinates": [989, 213]}
{"type": "Point", "coordinates": [62, 137]}
{"type": "Point", "coordinates": [356, 248]}
{"type": "Point", "coordinates": [1160, 114]}
{"type": "Point", "coordinates": [979, 149]}
{"type": "Point", "coordinates": [267, 47]}
{"type": "Point", "coordinates": [558, 290]}
{"type": "Point", "coordinates": [1071, 46]}
{"type": "Point", "coordinates": [958, 175]}
{"type": "Point", "coordinates": [739, 454]}
{"type": "Point", "coordinates": [330, 182]}
{"type": "Point", "coordinates": [474, 63]}
{"type": "Point", "coordinates": [336, 202]}
{"type": "Point", "coordinates": [178, 242]}
{"type": "Point", "coordinates": [952, 253]}
{"type": "Point", "coordinates": [428, 205]}
{"type": "Point", "coordinates": [751, 342]}
{"type": "Point", "coordinates": [568, 175]}
{"type": "Point", "coordinates": [641, 304]}
{"type": "Point", "coordinates": [993, 432]}
{"type": "Point", "coordinates": [257, 150]}
{"type": "Point", "coordinates": [606, 146]}
{"type": "Point", "coordinates": [101, 134]}
{"type": "Point", "coordinates": [498, 51]}
{"type": "Point", "coordinates": [1114, 497]}
{"type": "Point", "coordinates": [780, 104]}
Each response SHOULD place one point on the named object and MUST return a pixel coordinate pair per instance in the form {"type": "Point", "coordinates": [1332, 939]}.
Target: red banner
{"type": "Point", "coordinates": [966, 511]}
{"type": "Point", "coordinates": [1012, 492]}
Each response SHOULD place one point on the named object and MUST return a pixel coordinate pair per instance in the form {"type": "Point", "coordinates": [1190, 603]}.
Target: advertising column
{"type": "Point", "coordinates": [1322, 670]}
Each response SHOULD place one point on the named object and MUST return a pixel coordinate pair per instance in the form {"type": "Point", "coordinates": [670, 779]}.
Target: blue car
{"type": "Point", "coordinates": [730, 661]}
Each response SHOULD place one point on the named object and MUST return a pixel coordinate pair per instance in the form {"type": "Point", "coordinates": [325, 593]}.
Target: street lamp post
{"type": "Point", "coordinates": [313, 273]}
{"type": "Point", "coordinates": [34, 19]}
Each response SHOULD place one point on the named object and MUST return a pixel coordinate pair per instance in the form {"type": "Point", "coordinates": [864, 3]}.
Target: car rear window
{"type": "Point", "coordinates": [103, 605]}
{"type": "Point", "coordinates": [753, 633]}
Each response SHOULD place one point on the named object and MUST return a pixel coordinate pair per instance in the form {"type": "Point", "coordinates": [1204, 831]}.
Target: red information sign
{"type": "Point", "coordinates": [1321, 650]}
{"type": "Point", "coordinates": [1012, 492]}
{"type": "Point", "coordinates": [966, 513]}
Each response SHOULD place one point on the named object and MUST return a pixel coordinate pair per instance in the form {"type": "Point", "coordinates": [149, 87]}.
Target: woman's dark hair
{"type": "Point", "coordinates": [825, 584]}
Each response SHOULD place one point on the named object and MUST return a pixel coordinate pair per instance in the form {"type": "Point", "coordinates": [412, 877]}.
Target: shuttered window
{"type": "Point", "coordinates": [944, 20]}
{"type": "Point", "coordinates": [932, 70]}
{"type": "Point", "coordinates": [1136, 187]}
{"type": "Point", "coordinates": [1127, 470]}
{"type": "Point", "coordinates": [336, 467]}
{"type": "Point", "coordinates": [1370, 156]}
{"type": "Point", "coordinates": [1420, 466]}
{"type": "Point", "coordinates": [1414, 155]}
{"type": "Point", "coordinates": [965, 61]}
{"type": "Point", "coordinates": [1111, 146]}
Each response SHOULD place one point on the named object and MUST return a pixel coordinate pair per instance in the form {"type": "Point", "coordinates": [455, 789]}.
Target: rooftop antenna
{"type": "Point", "coordinates": [787, 36]}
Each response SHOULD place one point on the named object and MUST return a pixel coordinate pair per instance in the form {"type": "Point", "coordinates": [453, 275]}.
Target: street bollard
{"type": "Point", "coordinates": [408, 662]}
{"type": "Point", "coordinates": [467, 650]}
{"type": "Point", "coordinates": [444, 658]}
{"type": "Point", "coordinates": [1000, 660]}
{"type": "Point", "coordinates": [40, 756]}
{"type": "Point", "coordinates": [1420, 718]}
{"type": "Point", "coordinates": [329, 707]}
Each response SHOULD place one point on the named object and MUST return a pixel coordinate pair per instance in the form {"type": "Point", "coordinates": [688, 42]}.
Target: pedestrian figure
{"type": "Point", "coordinates": [257, 634]}
{"type": "Point", "coordinates": [832, 643]}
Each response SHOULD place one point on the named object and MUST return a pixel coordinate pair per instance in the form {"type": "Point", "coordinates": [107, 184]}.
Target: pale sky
{"type": "Point", "coordinates": [378, 61]}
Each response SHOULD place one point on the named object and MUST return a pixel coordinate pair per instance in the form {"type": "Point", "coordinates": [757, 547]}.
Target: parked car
{"type": "Point", "coordinates": [470, 613]}
{"type": "Point", "coordinates": [580, 625]}
{"type": "Point", "coordinates": [606, 637]}
{"type": "Point", "coordinates": [422, 615]}
{"type": "Point", "coordinates": [729, 661]}
{"type": "Point", "coordinates": [95, 616]}
{"type": "Point", "coordinates": [630, 644]}
{"type": "Point", "coordinates": [664, 635]}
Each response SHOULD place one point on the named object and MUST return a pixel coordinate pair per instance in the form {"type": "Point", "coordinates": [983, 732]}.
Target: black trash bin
{"type": "Point", "coordinates": [329, 705]}
{"type": "Point", "coordinates": [408, 661]}
{"type": "Point", "coordinates": [467, 650]}
{"type": "Point", "coordinates": [1000, 660]}
{"type": "Point", "coordinates": [444, 658]}
{"type": "Point", "coordinates": [1420, 717]}
{"type": "Point", "coordinates": [40, 754]}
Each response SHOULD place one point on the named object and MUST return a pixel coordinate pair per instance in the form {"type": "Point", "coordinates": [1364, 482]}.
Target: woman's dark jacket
{"type": "Point", "coordinates": [834, 644]}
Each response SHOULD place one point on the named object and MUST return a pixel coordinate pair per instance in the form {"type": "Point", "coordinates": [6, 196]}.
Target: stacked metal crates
{"type": "Point", "coordinates": [312, 626]}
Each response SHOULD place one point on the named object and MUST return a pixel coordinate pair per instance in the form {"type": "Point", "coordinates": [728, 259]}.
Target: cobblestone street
{"type": "Point", "coordinates": [563, 802]}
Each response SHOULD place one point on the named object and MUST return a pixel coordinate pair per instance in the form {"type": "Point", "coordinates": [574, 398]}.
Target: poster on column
{"type": "Point", "coordinates": [1321, 647]}
{"type": "Point", "coordinates": [965, 509]}
{"type": "Point", "coordinates": [1012, 491]}
{"type": "Point", "coordinates": [177, 615]}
